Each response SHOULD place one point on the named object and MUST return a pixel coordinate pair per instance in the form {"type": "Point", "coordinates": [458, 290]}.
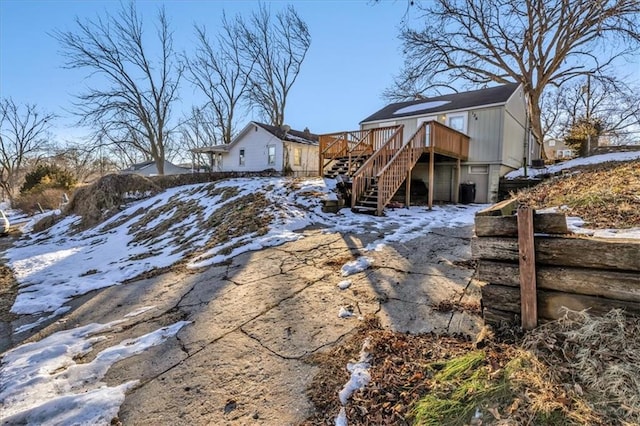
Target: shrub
{"type": "Point", "coordinates": [47, 176]}
{"type": "Point", "coordinates": [48, 199]}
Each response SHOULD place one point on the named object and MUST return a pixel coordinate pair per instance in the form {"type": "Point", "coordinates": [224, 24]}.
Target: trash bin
{"type": "Point", "coordinates": [467, 192]}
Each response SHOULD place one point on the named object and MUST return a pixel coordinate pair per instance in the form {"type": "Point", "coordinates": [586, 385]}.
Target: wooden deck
{"type": "Point", "coordinates": [390, 160]}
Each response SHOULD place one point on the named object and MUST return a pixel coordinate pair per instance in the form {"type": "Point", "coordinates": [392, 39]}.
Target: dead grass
{"type": "Point", "coordinates": [48, 199]}
{"type": "Point", "coordinates": [101, 200]}
{"type": "Point", "coordinates": [604, 196]}
{"type": "Point", "coordinates": [598, 357]}
{"type": "Point", "coordinates": [575, 371]}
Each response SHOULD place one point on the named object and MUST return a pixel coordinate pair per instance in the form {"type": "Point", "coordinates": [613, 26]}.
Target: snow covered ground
{"type": "Point", "coordinates": [57, 264]}
{"type": "Point", "coordinates": [43, 384]}
{"type": "Point", "coordinates": [582, 161]}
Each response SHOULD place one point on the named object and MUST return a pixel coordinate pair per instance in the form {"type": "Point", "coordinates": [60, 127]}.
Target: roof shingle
{"type": "Point", "coordinates": [451, 102]}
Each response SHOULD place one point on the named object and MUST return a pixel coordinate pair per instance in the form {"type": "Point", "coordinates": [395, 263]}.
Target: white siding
{"type": "Point", "coordinates": [309, 159]}
{"type": "Point", "coordinates": [255, 143]}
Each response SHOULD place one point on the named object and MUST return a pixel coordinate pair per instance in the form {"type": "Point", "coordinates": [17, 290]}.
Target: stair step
{"type": "Point", "coordinates": [363, 209]}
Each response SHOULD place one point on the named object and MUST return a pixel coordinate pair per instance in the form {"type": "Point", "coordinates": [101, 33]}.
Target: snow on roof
{"type": "Point", "coordinates": [423, 106]}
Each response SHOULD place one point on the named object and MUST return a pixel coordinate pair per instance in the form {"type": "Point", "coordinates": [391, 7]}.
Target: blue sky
{"type": "Point", "coordinates": [353, 57]}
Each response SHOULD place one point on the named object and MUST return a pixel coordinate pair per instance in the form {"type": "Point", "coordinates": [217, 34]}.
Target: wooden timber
{"type": "Point", "coordinates": [569, 271]}
{"type": "Point", "coordinates": [591, 282]}
{"type": "Point", "coordinates": [527, 259]}
{"type": "Point", "coordinates": [608, 254]}
{"type": "Point", "coordinates": [507, 226]}
{"type": "Point", "coordinates": [550, 303]}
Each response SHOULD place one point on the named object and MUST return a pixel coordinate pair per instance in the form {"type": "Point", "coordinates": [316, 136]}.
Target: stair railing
{"type": "Point", "coordinates": [356, 143]}
{"type": "Point", "coordinates": [365, 176]}
{"type": "Point", "coordinates": [391, 176]}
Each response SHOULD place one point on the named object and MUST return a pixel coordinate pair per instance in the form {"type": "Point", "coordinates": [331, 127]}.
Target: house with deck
{"type": "Point", "coordinates": [260, 146]}
{"type": "Point", "coordinates": [466, 140]}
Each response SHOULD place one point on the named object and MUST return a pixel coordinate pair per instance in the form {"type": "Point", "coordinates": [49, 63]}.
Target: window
{"type": "Point", "coordinates": [297, 156]}
{"type": "Point", "coordinates": [271, 156]}
{"type": "Point", "coordinates": [552, 142]}
{"type": "Point", "coordinates": [427, 136]}
{"type": "Point", "coordinates": [242, 157]}
{"type": "Point", "coordinates": [478, 170]}
{"type": "Point", "coordinates": [387, 123]}
{"type": "Point", "coordinates": [457, 122]}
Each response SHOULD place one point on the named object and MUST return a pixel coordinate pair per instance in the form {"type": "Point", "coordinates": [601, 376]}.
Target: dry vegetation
{"type": "Point", "coordinates": [574, 371]}
{"type": "Point", "coordinates": [101, 200]}
{"type": "Point", "coordinates": [602, 195]}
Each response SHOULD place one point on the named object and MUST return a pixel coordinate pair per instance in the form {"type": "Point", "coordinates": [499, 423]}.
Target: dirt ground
{"type": "Point", "coordinates": [259, 322]}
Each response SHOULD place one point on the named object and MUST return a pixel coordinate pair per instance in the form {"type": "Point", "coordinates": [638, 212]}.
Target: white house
{"type": "Point", "coordinates": [148, 168]}
{"type": "Point", "coordinates": [261, 147]}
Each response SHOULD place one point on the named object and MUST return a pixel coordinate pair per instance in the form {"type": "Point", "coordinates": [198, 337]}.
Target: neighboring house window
{"type": "Point", "coordinates": [564, 153]}
{"type": "Point", "coordinates": [242, 157]}
{"type": "Point", "coordinates": [478, 170]}
{"type": "Point", "coordinates": [552, 143]}
{"type": "Point", "coordinates": [271, 155]}
{"type": "Point", "coordinates": [297, 156]}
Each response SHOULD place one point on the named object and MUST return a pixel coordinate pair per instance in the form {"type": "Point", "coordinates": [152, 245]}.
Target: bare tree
{"type": "Point", "coordinates": [134, 106]}
{"type": "Point", "coordinates": [277, 47]}
{"type": "Point", "coordinates": [200, 129]}
{"type": "Point", "coordinates": [221, 72]}
{"type": "Point", "coordinates": [24, 138]}
{"type": "Point", "coordinates": [535, 42]}
{"type": "Point", "coordinates": [584, 110]}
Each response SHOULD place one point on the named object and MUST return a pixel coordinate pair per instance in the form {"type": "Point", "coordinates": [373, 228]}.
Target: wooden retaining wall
{"type": "Point", "coordinates": [562, 269]}
{"type": "Point", "coordinates": [507, 187]}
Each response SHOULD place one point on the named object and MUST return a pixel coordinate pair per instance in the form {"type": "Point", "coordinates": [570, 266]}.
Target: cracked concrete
{"type": "Point", "coordinates": [255, 319]}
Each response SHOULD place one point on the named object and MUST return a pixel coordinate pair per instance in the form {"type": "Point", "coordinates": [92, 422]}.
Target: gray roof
{"type": "Point", "coordinates": [290, 135]}
{"type": "Point", "coordinates": [451, 102]}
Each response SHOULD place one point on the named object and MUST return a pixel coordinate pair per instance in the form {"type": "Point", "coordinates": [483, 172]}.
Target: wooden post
{"type": "Point", "coordinates": [431, 165]}
{"type": "Point", "coordinates": [456, 189]}
{"type": "Point", "coordinates": [407, 196]}
{"type": "Point", "coordinates": [526, 250]}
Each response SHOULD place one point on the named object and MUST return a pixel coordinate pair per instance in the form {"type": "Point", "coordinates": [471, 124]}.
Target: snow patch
{"type": "Point", "coordinates": [343, 285]}
{"type": "Point", "coordinates": [345, 312]}
{"type": "Point", "coordinates": [43, 384]}
{"type": "Point", "coordinates": [582, 161]}
{"type": "Point", "coordinates": [360, 264]}
{"type": "Point", "coordinates": [360, 378]}
{"type": "Point", "coordinates": [422, 106]}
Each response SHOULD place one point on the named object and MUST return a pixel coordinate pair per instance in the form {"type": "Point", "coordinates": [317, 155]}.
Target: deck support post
{"type": "Point", "coordinates": [456, 187]}
{"type": "Point", "coordinates": [407, 195]}
{"type": "Point", "coordinates": [431, 174]}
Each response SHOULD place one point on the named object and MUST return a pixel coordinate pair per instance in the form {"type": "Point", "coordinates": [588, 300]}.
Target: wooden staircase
{"type": "Point", "coordinates": [345, 166]}
{"type": "Point", "coordinates": [376, 162]}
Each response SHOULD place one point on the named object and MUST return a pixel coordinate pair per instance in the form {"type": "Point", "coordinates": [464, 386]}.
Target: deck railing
{"type": "Point", "coordinates": [390, 160]}
{"type": "Point", "coordinates": [448, 141]}
{"type": "Point", "coordinates": [365, 177]}
{"type": "Point", "coordinates": [352, 144]}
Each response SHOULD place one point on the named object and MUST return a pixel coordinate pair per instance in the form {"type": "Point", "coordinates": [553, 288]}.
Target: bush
{"type": "Point", "coordinates": [48, 199]}
{"type": "Point", "coordinates": [47, 176]}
